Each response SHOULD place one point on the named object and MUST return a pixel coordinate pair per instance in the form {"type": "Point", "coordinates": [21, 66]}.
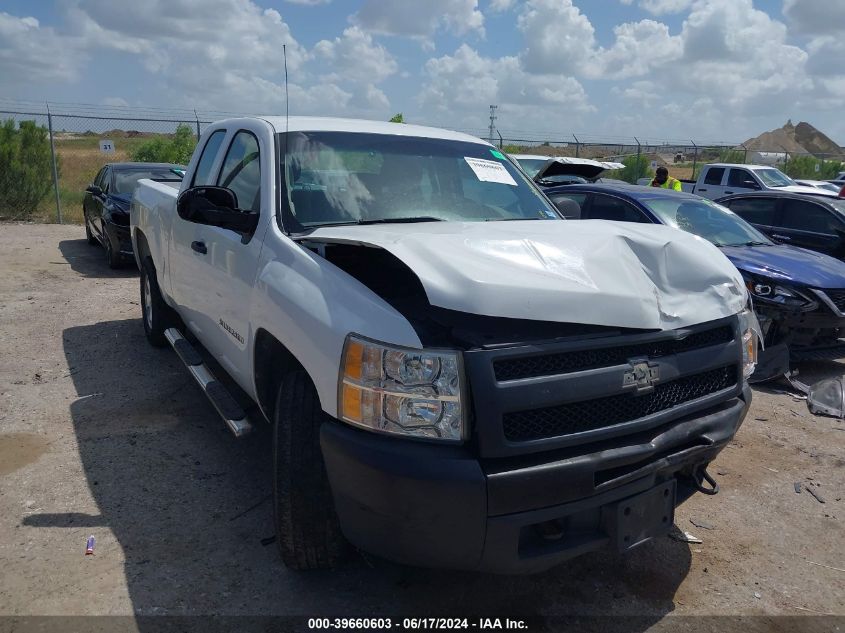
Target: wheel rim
{"type": "Point", "coordinates": [148, 303]}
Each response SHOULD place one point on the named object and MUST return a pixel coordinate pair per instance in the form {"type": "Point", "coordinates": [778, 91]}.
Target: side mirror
{"type": "Point", "coordinates": [94, 190]}
{"type": "Point", "coordinates": [215, 206]}
{"type": "Point", "coordinates": [750, 184]}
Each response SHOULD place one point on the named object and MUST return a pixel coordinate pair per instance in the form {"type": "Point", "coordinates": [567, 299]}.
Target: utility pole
{"type": "Point", "coordinates": [55, 169]}
{"type": "Point", "coordinates": [493, 118]}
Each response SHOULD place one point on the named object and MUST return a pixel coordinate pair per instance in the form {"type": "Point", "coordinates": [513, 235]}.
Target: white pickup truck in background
{"type": "Point", "coordinates": [717, 180]}
{"type": "Point", "coordinates": [455, 376]}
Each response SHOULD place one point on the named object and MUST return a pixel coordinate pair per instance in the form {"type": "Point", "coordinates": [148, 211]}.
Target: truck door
{"type": "Point", "coordinates": [741, 181]}
{"type": "Point", "coordinates": [227, 262]}
{"type": "Point", "coordinates": [711, 186]}
{"type": "Point", "coordinates": [186, 269]}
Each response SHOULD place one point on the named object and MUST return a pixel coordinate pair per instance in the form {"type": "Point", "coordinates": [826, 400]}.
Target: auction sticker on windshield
{"type": "Point", "coordinates": [490, 171]}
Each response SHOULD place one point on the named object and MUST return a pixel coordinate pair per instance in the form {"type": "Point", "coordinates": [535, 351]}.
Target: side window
{"type": "Point", "coordinates": [755, 210]}
{"type": "Point", "coordinates": [98, 179]}
{"type": "Point", "coordinates": [607, 208]}
{"type": "Point", "coordinates": [202, 176]}
{"type": "Point", "coordinates": [714, 176]}
{"type": "Point", "coordinates": [105, 182]}
{"type": "Point", "coordinates": [241, 171]}
{"type": "Point", "coordinates": [570, 205]}
{"type": "Point", "coordinates": [808, 216]}
{"type": "Point", "coordinates": [741, 178]}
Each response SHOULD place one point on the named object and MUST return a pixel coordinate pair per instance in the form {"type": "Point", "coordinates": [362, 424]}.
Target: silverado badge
{"type": "Point", "coordinates": [641, 375]}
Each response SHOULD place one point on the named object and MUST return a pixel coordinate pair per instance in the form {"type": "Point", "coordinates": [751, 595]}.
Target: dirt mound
{"type": "Point", "coordinates": [797, 139]}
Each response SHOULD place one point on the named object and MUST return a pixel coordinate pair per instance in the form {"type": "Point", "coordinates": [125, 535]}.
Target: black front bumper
{"type": "Point", "coordinates": [439, 506]}
{"type": "Point", "coordinates": [119, 236]}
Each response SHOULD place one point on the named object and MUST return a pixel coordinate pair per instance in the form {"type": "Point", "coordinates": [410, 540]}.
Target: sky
{"type": "Point", "coordinates": [709, 70]}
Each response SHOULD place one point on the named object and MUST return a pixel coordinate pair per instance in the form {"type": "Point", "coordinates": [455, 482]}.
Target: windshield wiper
{"type": "Point", "coordinates": [513, 219]}
{"type": "Point", "coordinates": [422, 218]}
{"type": "Point", "coordinates": [749, 244]}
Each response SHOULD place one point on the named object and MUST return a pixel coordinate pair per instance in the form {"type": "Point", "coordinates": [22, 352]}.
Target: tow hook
{"type": "Point", "coordinates": [699, 476]}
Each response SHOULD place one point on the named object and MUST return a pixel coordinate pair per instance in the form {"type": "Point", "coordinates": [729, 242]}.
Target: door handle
{"type": "Point", "coordinates": [729, 192]}
{"type": "Point", "coordinates": [785, 238]}
{"type": "Point", "coordinates": [199, 247]}
{"type": "Point", "coordinates": [702, 189]}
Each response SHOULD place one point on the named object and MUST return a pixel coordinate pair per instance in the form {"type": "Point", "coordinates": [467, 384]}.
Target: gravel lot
{"type": "Point", "coordinates": [102, 434]}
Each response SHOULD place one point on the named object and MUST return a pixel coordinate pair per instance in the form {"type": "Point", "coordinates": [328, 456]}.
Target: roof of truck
{"type": "Point", "coordinates": [739, 165]}
{"type": "Point", "coordinates": [329, 124]}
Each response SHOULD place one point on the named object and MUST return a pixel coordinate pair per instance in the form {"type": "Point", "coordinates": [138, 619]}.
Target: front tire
{"type": "Point", "coordinates": [89, 236]}
{"type": "Point", "coordinates": [155, 313]}
{"type": "Point", "coordinates": [307, 528]}
{"type": "Point", "coordinates": [114, 260]}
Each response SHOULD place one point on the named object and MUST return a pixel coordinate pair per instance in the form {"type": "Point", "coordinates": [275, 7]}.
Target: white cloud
{"type": "Point", "coordinates": [498, 6]}
{"type": "Point", "coordinates": [30, 53]}
{"type": "Point", "coordinates": [816, 17]}
{"type": "Point", "coordinates": [640, 48]}
{"type": "Point", "coordinates": [355, 57]}
{"type": "Point", "coordinates": [521, 96]}
{"type": "Point", "coordinates": [559, 38]}
{"type": "Point", "coordinates": [662, 7]}
{"type": "Point", "coordinates": [229, 56]}
{"type": "Point", "coordinates": [420, 20]}
{"type": "Point", "coordinates": [309, 3]}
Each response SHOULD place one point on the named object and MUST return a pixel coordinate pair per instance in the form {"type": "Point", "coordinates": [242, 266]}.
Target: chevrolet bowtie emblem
{"type": "Point", "coordinates": [641, 375]}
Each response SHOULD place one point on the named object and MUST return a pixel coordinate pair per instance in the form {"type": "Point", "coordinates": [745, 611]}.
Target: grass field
{"type": "Point", "coordinates": [79, 161]}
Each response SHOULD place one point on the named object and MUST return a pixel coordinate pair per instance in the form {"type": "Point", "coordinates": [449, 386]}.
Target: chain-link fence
{"type": "Point", "coordinates": [84, 138]}
{"type": "Point", "coordinates": [82, 143]}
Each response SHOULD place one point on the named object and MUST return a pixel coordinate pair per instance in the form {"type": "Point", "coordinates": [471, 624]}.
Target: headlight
{"type": "Point", "coordinates": [749, 329]}
{"type": "Point", "coordinates": [408, 392]}
{"type": "Point", "coordinates": [781, 295]}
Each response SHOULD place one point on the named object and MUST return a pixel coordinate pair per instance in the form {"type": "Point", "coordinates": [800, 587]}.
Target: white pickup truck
{"type": "Point", "coordinates": [717, 180]}
{"type": "Point", "coordinates": [455, 376]}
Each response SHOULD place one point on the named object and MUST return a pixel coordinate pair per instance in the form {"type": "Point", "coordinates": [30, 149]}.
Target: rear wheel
{"type": "Point", "coordinates": [155, 313]}
{"type": "Point", "coordinates": [307, 528]}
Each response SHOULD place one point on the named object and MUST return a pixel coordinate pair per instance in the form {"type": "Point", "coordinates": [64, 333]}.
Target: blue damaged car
{"type": "Point", "coordinates": [798, 295]}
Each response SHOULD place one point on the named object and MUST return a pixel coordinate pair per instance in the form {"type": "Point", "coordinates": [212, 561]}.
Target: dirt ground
{"type": "Point", "coordinates": [102, 435]}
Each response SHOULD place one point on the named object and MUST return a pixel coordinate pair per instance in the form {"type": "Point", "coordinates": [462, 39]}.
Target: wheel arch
{"type": "Point", "coordinates": [272, 360]}
{"type": "Point", "coordinates": [141, 247]}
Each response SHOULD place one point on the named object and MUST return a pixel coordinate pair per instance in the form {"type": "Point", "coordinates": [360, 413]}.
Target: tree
{"type": "Point", "coordinates": [805, 167]}
{"type": "Point", "coordinates": [732, 156]}
{"type": "Point", "coordinates": [397, 118]}
{"type": "Point", "coordinates": [175, 148]}
{"type": "Point", "coordinates": [25, 167]}
{"type": "Point", "coordinates": [636, 167]}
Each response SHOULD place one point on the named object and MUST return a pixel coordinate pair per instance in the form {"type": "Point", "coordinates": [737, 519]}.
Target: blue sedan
{"type": "Point", "coordinates": [799, 295]}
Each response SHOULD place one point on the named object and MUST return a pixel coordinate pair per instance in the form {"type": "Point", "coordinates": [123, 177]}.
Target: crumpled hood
{"type": "Point", "coordinates": [615, 274]}
{"type": "Point", "coordinates": [790, 264]}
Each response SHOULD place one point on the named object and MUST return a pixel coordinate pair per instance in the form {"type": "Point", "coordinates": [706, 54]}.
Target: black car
{"type": "Point", "coordinates": [798, 295]}
{"type": "Point", "coordinates": [106, 204]}
{"type": "Point", "coordinates": [813, 222]}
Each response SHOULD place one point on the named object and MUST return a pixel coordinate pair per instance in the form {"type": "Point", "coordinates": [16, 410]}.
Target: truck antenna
{"type": "Point", "coordinates": [287, 101]}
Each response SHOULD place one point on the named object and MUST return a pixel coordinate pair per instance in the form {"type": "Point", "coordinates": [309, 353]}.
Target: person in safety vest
{"type": "Point", "coordinates": [663, 180]}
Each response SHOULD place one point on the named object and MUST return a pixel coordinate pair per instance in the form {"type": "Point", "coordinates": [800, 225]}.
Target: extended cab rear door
{"type": "Point", "coordinates": [214, 268]}
{"type": "Point", "coordinates": [741, 181]}
{"type": "Point", "coordinates": [711, 182]}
